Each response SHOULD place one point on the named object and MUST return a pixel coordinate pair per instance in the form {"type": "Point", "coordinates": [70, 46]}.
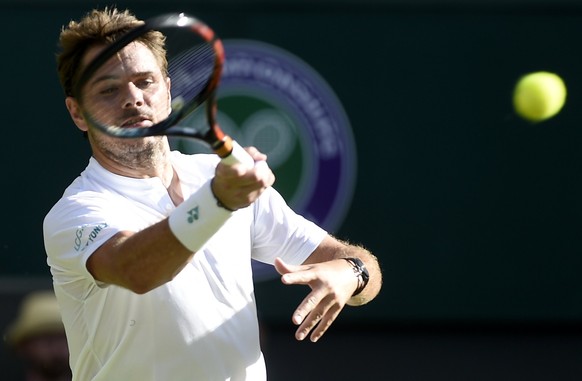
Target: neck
{"type": "Point", "coordinates": [141, 159]}
{"type": "Point", "coordinates": [137, 158]}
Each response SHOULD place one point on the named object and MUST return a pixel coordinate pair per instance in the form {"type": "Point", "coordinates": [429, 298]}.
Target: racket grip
{"type": "Point", "coordinates": [238, 155]}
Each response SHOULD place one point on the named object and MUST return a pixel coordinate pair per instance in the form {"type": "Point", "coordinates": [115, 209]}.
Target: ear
{"type": "Point", "coordinates": [169, 85]}
{"type": "Point", "coordinates": [76, 114]}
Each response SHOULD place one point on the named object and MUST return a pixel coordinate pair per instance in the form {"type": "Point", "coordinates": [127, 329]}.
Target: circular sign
{"type": "Point", "coordinates": [271, 99]}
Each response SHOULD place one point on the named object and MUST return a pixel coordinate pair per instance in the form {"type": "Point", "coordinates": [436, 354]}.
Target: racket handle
{"type": "Point", "coordinates": [238, 155]}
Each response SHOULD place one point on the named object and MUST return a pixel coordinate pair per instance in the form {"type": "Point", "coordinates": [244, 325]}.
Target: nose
{"type": "Point", "coordinates": [133, 96]}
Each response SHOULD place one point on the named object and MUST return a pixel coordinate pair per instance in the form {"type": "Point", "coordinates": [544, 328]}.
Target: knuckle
{"type": "Point", "coordinates": [324, 325]}
{"type": "Point", "coordinates": [312, 301]}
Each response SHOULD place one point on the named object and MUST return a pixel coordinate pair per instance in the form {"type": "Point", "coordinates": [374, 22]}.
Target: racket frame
{"type": "Point", "coordinates": [220, 143]}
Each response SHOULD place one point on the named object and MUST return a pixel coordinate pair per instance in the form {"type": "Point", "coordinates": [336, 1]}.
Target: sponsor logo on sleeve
{"type": "Point", "coordinates": [86, 235]}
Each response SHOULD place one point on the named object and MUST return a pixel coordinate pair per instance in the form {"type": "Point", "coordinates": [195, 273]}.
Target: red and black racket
{"type": "Point", "coordinates": [195, 58]}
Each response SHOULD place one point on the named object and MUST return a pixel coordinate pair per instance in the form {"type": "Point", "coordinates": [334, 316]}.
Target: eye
{"type": "Point", "coordinates": [144, 83]}
{"type": "Point", "coordinates": [105, 89]}
{"type": "Point", "coordinates": [109, 90]}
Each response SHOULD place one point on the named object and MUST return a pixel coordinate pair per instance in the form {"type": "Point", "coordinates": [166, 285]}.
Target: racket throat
{"type": "Point", "coordinates": [223, 147]}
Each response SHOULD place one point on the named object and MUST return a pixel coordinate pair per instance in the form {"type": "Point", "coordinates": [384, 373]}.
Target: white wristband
{"type": "Point", "coordinates": [198, 218]}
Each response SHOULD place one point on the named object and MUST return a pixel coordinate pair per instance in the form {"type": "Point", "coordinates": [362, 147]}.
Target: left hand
{"type": "Point", "coordinates": [332, 285]}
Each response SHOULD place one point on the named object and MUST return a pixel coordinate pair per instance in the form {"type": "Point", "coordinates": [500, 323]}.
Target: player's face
{"type": "Point", "coordinates": [129, 90]}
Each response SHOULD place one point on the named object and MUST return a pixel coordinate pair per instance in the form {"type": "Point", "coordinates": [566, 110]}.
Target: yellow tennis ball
{"type": "Point", "coordinates": [539, 96]}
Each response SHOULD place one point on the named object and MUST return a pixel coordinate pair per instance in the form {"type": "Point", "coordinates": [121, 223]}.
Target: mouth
{"type": "Point", "coordinates": [137, 122]}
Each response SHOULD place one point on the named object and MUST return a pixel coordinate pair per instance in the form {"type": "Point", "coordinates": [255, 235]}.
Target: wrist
{"type": "Point", "coordinates": [361, 273]}
{"type": "Point", "coordinates": [218, 201]}
{"type": "Point", "coordinates": [198, 218]}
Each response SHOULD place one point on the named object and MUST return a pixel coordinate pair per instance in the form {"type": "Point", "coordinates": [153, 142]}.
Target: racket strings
{"type": "Point", "coordinates": [194, 63]}
{"type": "Point", "coordinates": [191, 71]}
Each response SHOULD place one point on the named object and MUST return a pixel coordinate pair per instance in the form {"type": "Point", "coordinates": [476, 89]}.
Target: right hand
{"type": "Point", "coordinates": [238, 186]}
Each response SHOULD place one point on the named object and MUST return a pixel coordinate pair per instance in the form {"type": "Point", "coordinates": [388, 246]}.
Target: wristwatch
{"type": "Point", "coordinates": [361, 272]}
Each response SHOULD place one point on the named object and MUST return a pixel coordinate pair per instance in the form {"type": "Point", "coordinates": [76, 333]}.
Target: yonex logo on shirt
{"type": "Point", "coordinates": [79, 235]}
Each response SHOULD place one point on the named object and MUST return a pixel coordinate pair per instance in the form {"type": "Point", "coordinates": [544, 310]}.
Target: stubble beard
{"type": "Point", "coordinates": [137, 154]}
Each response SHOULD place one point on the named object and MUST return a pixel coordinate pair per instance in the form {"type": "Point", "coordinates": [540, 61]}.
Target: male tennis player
{"type": "Point", "coordinates": [136, 302]}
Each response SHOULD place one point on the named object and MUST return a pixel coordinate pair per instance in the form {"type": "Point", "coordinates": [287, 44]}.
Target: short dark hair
{"type": "Point", "coordinates": [95, 28]}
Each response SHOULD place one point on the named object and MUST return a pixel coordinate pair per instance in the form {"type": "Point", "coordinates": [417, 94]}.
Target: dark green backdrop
{"type": "Point", "coordinates": [474, 214]}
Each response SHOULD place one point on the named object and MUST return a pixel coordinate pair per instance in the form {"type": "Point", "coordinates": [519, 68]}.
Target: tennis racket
{"type": "Point", "coordinates": [195, 57]}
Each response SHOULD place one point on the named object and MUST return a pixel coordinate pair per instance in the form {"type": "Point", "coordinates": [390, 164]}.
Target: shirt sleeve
{"type": "Point", "coordinates": [280, 232]}
{"type": "Point", "coordinates": [73, 230]}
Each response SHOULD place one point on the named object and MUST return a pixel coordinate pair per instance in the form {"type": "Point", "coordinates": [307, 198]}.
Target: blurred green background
{"type": "Point", "coordinates": [474, 214]}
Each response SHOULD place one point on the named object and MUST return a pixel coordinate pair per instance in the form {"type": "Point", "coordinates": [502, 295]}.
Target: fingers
{"type": "Point", "coordinates": [331, 286]}
{"type": "Point", "coordinates": [237, 186]}
{"type": "Point", "coordinates": [315, 316]}
{"type": "Point", "coordinates": [297, 274]}
{"type": "Point", "coordinates": [260, 174]}
{"type": "Point", "coordinates": [256, 154]}
{"type": "Point", "coordinates": [282, 267]}
{"type": "Point", "coordinates": [315, 309]}
{"type": "Point", "coordinates": [261, 168]}
{"type": "Point", "coordinates": [319, 309]}
{"type": "Point", "coordinates": [239, 176]}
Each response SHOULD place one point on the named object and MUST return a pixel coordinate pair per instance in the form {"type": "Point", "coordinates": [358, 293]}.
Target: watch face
{"type": "Point", "coordinates": [365, 273]}
{"type": "Point", "coordinates": [361, 268]}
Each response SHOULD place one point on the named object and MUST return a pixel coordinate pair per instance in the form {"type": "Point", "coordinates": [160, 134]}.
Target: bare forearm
{"type": "Point", "coordinates": [140, 261]}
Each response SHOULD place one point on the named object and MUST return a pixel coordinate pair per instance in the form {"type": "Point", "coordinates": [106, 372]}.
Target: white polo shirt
{"type": "Point", "coordinates": [202, 325]}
